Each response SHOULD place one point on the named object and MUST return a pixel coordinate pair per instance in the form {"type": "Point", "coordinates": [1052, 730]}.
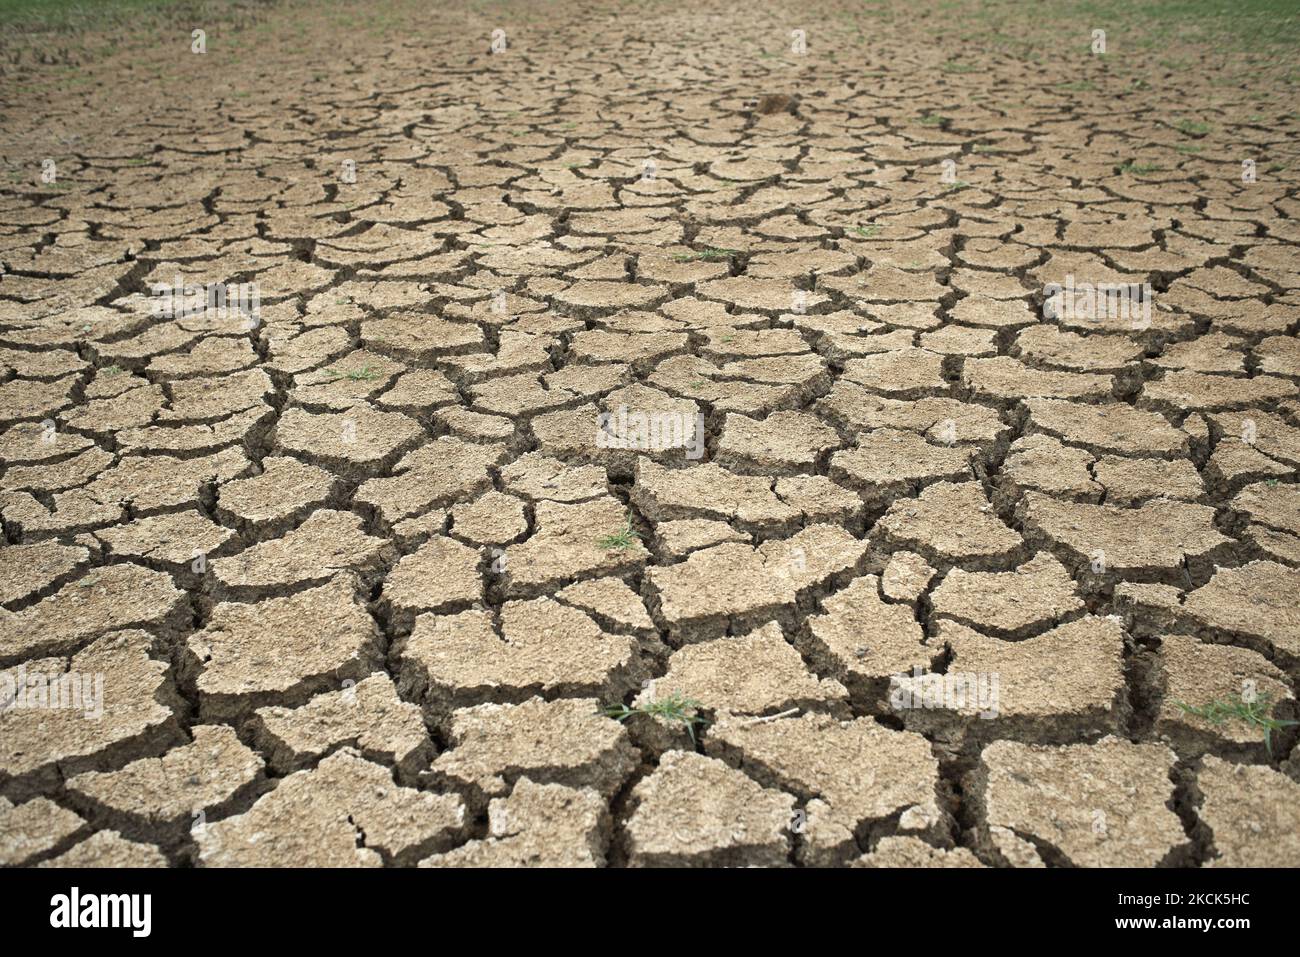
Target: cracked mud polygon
{"type": "Point", "coordinates": [644, 434]}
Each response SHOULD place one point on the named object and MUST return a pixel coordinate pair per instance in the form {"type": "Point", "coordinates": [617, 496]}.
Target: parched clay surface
{"type": "Point", "coordinates": [692, 358]}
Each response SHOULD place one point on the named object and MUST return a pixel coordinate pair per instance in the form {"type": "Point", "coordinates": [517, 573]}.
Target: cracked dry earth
{"type": "Point", "coordinates": [347, 575]}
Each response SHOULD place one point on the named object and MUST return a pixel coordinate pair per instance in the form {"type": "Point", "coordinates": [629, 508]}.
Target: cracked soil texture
{"type": "Point", "coordinates": [652, 354]}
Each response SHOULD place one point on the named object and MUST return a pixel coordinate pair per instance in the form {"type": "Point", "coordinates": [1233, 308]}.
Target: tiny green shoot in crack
{"type": "Point", "coordinates": [1253, 713]}
{"type": "Point", "coordinates": [1132, 167]}
{"type": "Point", "coordinates": [621, 540]}
{"type": "Point", "coordinates": [675, 707]}
{"type": "Point", "coordinates": [711, 254]}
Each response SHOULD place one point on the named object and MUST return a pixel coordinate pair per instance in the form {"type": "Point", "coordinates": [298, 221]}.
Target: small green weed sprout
{"type": "Point", "coordinates": [675, 707]}
{"type": "Point", "coordinates": [622, 539]}
{"type": "Point", "coordinates": [1254, 713]}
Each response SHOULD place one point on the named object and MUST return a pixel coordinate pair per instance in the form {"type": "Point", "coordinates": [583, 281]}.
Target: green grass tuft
{"type": "Point", "coordinates": [711, 254]}
{"type": "Point", "coordinates": [621, 540]}
{"type": "Point", "coordinates": [1254, 713]}
{"type": "Point", "coordinates": [675, 707]}
{"type": "Point", "coordinates": [1132, 167]}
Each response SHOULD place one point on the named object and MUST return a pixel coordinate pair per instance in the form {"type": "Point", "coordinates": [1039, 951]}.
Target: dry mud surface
{"type": "Point", "coordinates": [360, 577]}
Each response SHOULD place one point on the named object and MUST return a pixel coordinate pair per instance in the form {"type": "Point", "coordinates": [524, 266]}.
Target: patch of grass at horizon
{"type": "Point", "coordinates": [1156, 25]}
{"type": "Point", "coordinates": [75, 14]}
